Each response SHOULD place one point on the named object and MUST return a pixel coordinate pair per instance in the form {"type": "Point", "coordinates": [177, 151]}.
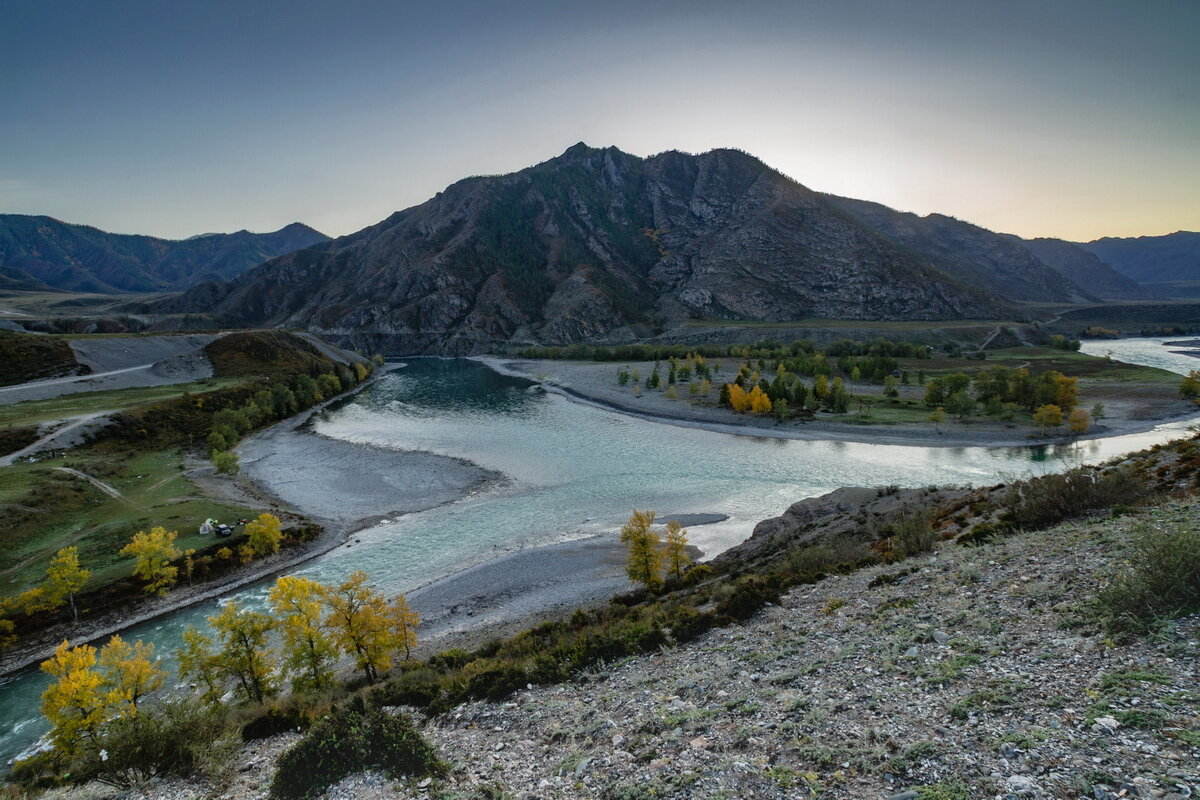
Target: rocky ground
{"type": "Point", "coordinates": [969, 673]}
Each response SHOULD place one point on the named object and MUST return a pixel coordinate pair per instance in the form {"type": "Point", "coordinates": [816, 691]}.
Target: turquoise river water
{"type": "Point", "coordinates": [575, 470]}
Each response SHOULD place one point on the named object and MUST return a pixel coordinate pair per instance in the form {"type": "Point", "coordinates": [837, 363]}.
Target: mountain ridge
{"type": "Point", "coordinates": [596, 243]}
{"type": "Point", "coordinates": [39, 249]}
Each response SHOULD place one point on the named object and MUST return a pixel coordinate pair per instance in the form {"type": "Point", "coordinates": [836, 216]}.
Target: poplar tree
{"type": "Point", "coordinates": [264, 535]}
{"type": "Point", "coordinates": [154, 552]}
{"type": "Point", "coordinates": [198, 663]}
{"type": "Point", "coordinates": [309, 653]}
{"type": "Point", "coordinates": [129, 673]}
{"type": "Point", "coordinates": [64, 577]}
{"type": "Point", "coordinates": [244, 655]}
{"type": "Point", "coordinates": [360, 622]}
{"type": "Point", "coordinates": [76, 703]}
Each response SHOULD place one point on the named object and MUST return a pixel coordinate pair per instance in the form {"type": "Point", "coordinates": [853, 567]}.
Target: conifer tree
{"type": "Point", "coordinates": [675, 550]}
{"type": "Point", "coordinates": [644, 564]}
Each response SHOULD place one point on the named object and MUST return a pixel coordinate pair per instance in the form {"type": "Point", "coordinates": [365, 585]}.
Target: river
{"type": "Point", "coordinates": [575, 470]}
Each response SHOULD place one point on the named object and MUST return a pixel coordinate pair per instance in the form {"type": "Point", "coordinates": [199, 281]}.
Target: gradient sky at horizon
{"type": "Point", "coordinates": [1070, 118]}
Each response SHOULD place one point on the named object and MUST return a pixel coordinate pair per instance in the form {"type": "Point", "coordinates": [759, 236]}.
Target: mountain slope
{"type": "Point", "coordinates": [85, 259]}
{"type": "Point", "coordinates": [999, 263]}
{"type": "Point", "coordinates": [1083, 268]}
{"type": "Point", "coordinates": [1152, 259]}
{"type": "Point", "coordinates": [595, 243]}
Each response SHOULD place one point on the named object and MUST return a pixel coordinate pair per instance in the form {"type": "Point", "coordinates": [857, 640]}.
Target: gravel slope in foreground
{"type": "Point", "coordinates": [963, 674]}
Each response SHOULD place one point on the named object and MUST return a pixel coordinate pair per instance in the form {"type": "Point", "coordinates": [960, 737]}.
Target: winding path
{"type": "Point", "coordinates": [72, 424]}
{"type": "Point", "coordinates": [99, 484]}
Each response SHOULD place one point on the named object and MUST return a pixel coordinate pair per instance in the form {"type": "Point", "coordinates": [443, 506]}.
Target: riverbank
{"type": "Point", "coordinates": [1128, 412]}
{"type": "Point", "coordinates": [295, 503]}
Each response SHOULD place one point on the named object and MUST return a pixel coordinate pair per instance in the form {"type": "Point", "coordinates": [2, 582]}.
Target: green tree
{"type": "Point", "coordinates": [644, 564]}
{"type": "Point", "coordinates": [937, 417]}
{"type": "Point", "coordinates": [1098, 412]}
{"type": "Point", "coordinates": [1189, 387]}
{"type": "Point", "coordinates": [960, 405]}
{"type": "Point", "coordinates": [226, 462]}
{"type": "Point", "coordinates": [935, 395]}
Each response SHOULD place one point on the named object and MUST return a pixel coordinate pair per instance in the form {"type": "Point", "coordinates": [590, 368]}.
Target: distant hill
{"type": "Point", "coordinates": [1152, 259]}
{"type": "Point", "coordinates": [1000, 263]}
{"type": "Point", "coordinates": [38, 252]}
{"type": "Point", "coordinates": [1085, 269]}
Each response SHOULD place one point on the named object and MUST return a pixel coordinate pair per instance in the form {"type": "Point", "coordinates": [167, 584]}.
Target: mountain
{"type": "Point", "coordinates": [1083, 268]}
{"type": "Point", "coordinates": [80, 258]}
{"type": "Point", "coordinates": [1152, 259]}
{"type": "Point", "coordinates": [596, 243]}
{"type": "Point", "coordinates": [997, 262]}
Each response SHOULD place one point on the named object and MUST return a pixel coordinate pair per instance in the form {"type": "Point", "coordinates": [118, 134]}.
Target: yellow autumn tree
{"type": "Point", "coordinates": [1048, 416]}
{"type": "Point", "coordinates": [244, 655]}
{"type": "Point", "coordinates": [738, 399]}
{"type": "Point", "coordinates": [129, 674]}
{"type": "Point", "coordinates": [1066, 391]}
{"type": "Point", "coordinates": [644, 563]}
{"type": "Point", "coordinates": [264, 535]}
{"type": "Point", "coordinates": [1078, 421]}
{"type": "Point", "coordinates": [197, 662]}
{"type": "Point", "coordinates": [404, 625]}
{"type": "Point", "coordinates": [309, 652]}
{"type": "Point", "coordinates": [154, 552]}
{"type": "Point", "coordinates": [64, 577]}
{"type": "Point", "coordinates": [360, 622]}
{"type": "Point", "coordinates": [675, 550]}
{"type": "Point", "coordinates": [760, 403]}
{"type": "Point", "coordinates": [76, 703]}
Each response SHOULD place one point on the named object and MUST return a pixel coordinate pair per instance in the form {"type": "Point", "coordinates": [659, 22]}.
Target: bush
{"type": "Point", "coordinates": [1043, 501]}
{"type": "Point", "coordinates": [177, 738]}
{"type": "Point", "coordinates": [1161, 578]}
{"type": "Point", "coordinates": [749, 594]}
{"type": "Point", "coordinates": [352, 740]}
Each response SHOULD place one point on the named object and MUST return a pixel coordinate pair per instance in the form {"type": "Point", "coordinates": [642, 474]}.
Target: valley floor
{"type": "Point", "coordinates": [1130, 409]}
{"type": "Point", "coordinates": [971, 673]}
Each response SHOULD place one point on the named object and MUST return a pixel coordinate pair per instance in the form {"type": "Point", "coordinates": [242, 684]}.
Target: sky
{"type": "Point", "coordinates": [1068, 118]}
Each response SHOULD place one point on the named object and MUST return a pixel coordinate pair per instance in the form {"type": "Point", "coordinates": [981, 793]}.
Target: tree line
{"type": "Point", "coordinates": [308, 628]}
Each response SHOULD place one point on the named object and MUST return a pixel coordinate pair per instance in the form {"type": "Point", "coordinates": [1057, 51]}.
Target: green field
{"type": "Point", "coordinates": [47, 509]}
{"type": "Point", "coordinates": [72, 405]}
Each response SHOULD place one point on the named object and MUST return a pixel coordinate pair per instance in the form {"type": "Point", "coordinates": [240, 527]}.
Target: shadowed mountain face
{"type": "Point", "coordinates": [1152, 259]}
{"type": "Point", "coordinates": [1000, 263]}
{"type": "Point", "coordinates": [591, 245]}
{"type": "Point", "coordinates": [42, 250]}
{"type": "Point", "coordinates": [1084, 269]}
